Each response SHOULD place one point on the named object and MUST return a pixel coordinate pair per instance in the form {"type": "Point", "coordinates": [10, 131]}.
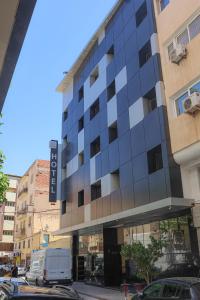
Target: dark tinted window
{"type": "Point", "coordinates": [64, 204]}
{"type": "Point", "coordinates": [111, 90]}
{"type": "Point", "coordinates": [94, 109]}
{"type": "Point", "coordinates": [171, 290]}
{"type": "Point", "coordinates": [185, 294]}
{"type": "Point", "coordinates": [150, 101]}
{"type": "Point", "coordinates": [94, 76]}
{"type": "Point", "coordinates": [145, 53]}
{"type": "Point", "coordinates": [81, 198]}
{"type": "Point", "coordinates": [113, 132]}
{"type": "Point", "coordinates": [65, 115]}
{"type": "Point", "coordinates": [96, 190]}
{"type": "Point", "coordinates": [95, 147]}
{"type": "Point", "coordinates": [154, 157]}
{"type": "Point", "coordinates": [141, 14]}
{"type": "Point", "coordinates": [111, 51]}
{"type": "Point", "coordinates": [80, 124]}
{"type": "Point", "coordinates": [81, 94]}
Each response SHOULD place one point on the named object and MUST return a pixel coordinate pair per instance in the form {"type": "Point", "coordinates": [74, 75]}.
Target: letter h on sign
{"type": "Point", "coordinates": [53, 171]}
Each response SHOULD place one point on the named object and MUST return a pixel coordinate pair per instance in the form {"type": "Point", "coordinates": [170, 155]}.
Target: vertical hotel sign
{"type": "Point", "coordinates": [53, 170]}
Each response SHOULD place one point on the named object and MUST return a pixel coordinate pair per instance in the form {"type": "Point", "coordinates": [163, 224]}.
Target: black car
{"type": "Point", "coordinates": [189, 270]}
{"type": "Point", "coordinates": [8, 291]}
{"type": "Point", "coordinates": [179, 288]}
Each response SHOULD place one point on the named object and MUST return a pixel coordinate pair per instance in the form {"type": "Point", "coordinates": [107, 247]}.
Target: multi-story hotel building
{"type": "Point", "coordinates": [119, 179]}
{"type": "Point", "coordinates": [180, 39]}
{"type": "Point", "coordinates": [7, 215]}
{"type": "Point", "coordinates": [35, 217]}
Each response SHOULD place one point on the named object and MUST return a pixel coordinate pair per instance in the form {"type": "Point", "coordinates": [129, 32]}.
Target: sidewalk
{"type": "Point", "coordinates": [97, 292]}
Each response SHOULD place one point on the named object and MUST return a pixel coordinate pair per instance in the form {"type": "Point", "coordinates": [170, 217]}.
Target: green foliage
{"type": "Point", "coordinates": [144, 257]}
{"type": "Point", "coordinates": [3, 178]}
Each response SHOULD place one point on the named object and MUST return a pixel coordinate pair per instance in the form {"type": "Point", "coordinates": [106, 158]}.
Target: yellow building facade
{"type": "Point", "coordinates": [35, 216]}
{"type": "Point", "coordinates": [178, 26]}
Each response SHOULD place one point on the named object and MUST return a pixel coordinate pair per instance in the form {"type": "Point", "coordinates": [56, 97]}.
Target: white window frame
{"type": "Point", "coordinates": [174, 39]}
{"type": "Point", "coordinates": [186, 90]}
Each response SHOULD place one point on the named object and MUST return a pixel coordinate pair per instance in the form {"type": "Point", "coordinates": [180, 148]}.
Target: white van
{"type": "Point", "coordinates": [50, 266]}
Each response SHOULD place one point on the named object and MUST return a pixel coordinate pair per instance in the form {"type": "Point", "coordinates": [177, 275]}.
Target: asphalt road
{"type": "Point", "coordinates": [88, 298]}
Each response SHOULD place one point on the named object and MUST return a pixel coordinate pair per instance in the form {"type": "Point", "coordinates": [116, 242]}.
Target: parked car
{"type": "Point", "coordinates": [10, 291]}
{"type": "Point", "coordinates": [179, 288]}
{"type": "Point", "coordinates": [67, 289]}
{"type": "Point", "coordinates": [21, 271]}
{"type": "Point", "coordinates": [189, 270]}
{"type": "Point", "coordinates": [49, 267]}
{"type": "Point", "coordinates": [16, 281]}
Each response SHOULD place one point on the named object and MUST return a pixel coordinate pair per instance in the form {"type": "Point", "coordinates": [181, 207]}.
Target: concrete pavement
{"type": "Point", "coordinates": [93, 292]}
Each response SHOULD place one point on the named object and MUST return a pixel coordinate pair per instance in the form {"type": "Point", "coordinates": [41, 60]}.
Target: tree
{"type": "Point", "coordinates": [144, 257]}
{"type": "Point", "coordinates": [3, 178]}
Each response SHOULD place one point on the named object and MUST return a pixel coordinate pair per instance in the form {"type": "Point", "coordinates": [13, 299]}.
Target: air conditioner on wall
{"type": "Point", "coordinates": [178, 53]}
{"type": "Point", "coordinates": [191, 103]}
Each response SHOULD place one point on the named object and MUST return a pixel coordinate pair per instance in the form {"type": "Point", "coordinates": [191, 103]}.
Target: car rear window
{"type": "Point", "coordinates": [171, 290]}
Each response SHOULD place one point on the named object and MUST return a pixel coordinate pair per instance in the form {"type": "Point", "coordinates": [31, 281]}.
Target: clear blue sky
{"type": "Point", "coordinates": [58, 31]}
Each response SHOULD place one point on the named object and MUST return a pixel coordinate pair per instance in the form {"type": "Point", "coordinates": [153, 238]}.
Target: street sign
{"type": "Point", "coordinates": [53, 170]}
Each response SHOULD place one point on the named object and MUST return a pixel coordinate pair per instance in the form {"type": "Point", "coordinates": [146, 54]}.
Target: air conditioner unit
{"type": "Point", "coordinates": [178, 53]}
{"type": "Point", "coordinates": [191, 103]}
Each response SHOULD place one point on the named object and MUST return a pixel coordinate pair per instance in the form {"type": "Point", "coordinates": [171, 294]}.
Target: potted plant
{"type": "Point", "coordinates": [144, 257]}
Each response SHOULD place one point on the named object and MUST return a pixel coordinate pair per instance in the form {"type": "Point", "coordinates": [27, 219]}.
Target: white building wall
{"type": "Point", "coordinates": [10, 210]}
{"type": "Point", "coordinates": [67, 96]}
{"type": "Point", "coordinates": [189, 161]}
{"type": "Point", "coordinates": [10, 196]}
{"type": "Point", "coordinates": [92, 92]}
{"type": "Point", "coordinates": [112, 110]}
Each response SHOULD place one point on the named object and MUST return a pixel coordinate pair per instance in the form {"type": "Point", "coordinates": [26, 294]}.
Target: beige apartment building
{"type": "Point", "coordinates": [178, 25]}
{"type": "Point", "coordinates": [7, 214]}
{"type": "Point", "coordinates": [35, 217]}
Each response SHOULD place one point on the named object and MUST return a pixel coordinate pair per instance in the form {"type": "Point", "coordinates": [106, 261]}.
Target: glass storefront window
{"type": "Point", "coordinates": [176, 254]}
{"type": "Point", "coordinates": [177, 234]}
{"type": "Point", "coordinates": [91, 249]}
